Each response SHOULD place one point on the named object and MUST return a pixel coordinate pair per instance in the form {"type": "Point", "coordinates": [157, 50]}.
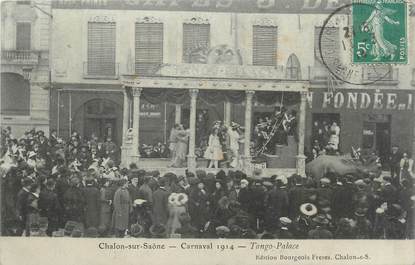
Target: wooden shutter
{"type": "Point", "coordinates": [329, 44]}
{"type": "Point", "coordinates": [195, 36]}
{"type": "Point", "coordinates": [264, 45]}
{"type": "Point", "coordinates": [101, 49]}
{"type": "Point", "coordinates": [23, 36]}
{"type": "Point", "coordinates": [148, 47]}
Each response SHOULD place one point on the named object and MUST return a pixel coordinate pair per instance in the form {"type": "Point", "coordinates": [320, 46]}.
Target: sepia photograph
{"type": "Point", "coordinates": [208, 119]}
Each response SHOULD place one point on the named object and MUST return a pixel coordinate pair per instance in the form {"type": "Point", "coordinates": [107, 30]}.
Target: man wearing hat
{"type": "Point", "coordinates": [160, 203]}
{"type": "Point", "coordinates": [21, 204]}
{"type": "Point", "coordinates": [74, 201]}
{"type": "Point", "coordinates": [284, 228]}
{"type": "Point", "coordinates": [363, 227]}
{"type": "Point", "coordinates": [320, 231]}
{"type": "Point", "coordinates": [122, 208]}
{"type": "Point", "coordinates": [296, 196]}
{"type": "Point", "coordinates": [277, 203]}
{"type": "Point", "coordinates": [92, 203]}
{"type": "Point", "coordinates": [394, 163]}
{"type": "Point", "coordinates": [49, 206]}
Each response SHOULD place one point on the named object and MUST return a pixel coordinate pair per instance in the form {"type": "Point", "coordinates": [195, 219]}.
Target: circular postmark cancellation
{"type": "Point", "coordinates": [373, 39]}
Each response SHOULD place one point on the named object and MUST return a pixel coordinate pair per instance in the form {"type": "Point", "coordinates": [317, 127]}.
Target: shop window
{"type": "Point", "coordinates": [264, 45]}
{"type": "Point", "coordinates": [293, 69]}
{"type": "Point", "coordinates": [15, 94]}
{"type": "Point", "coordinates": [148, 47]}
{"type": "Point", "coordinates": [196, 42]}
{"type": "Point", "coordinates": [101, 49]}
{"type": "Point", "coordinates": [23, 36]}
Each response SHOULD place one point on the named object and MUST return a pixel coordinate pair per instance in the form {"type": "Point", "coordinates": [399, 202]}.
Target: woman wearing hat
{"type": "Point", "coordinates": [302, 223]}
{"type": "Point", "coordinates": [177, 206]}
{"type": "Point", "coordinates": [214, 150]}
{"type": "Point", "coordinates": [199, 206]}
{"type": "Point", "coordinates": [122, 208]}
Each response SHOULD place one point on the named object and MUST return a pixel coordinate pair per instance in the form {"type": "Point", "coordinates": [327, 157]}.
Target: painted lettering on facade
{"type": "Point", "coordinates": [365, 100]}
{"type": "Point", "coordinates": [267, 6]}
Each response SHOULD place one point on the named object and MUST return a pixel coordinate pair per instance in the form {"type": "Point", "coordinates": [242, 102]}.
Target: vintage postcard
{"type": "Point", "coordinates": [207, 132]}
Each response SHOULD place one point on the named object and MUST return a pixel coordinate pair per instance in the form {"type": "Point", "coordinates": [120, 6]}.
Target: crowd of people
{"type": "Point", "coordinates": [48, 189]}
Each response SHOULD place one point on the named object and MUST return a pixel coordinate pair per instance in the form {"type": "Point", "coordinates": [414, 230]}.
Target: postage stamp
{"type": "Point", "coordinates": [379, 31]}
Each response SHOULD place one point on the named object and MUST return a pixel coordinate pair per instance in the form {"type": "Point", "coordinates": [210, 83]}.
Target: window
{"type": "Point", "coordinates": [293, 70]}
{"type": "Point", "coordinates": [148, 47]}
{"type": "Point", "coordinates": [195, 42]}
{"type": "Point", "coordinates": [329, 44]}
{"type": "Point", "coordinates": [264, 45]}
{"type": "Point", "coordinates": [23, 36]}
{"type": "Point", "coordinates": [101, 49]}
{"type": "Point", "coordinates": [15, 94]}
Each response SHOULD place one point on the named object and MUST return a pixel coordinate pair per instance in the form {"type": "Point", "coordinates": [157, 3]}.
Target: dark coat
{"type": "Point", "coordinates": [320, 233]}
{"type": "Point", "coordinates": [160, 206]}
{"type": "Point", "coordinates": [245, 197]}
{"type": "Point", "coordinates": [122, 209]}
{"type": "Point", "coordinates": [341, 203]}
{"type": "Point", "coordinates": [296, 197]}
{"type": "Point", "coordinates": [106, 198]}
{"type": "Point", "coordinates": [278, 203]}
{"type": "Point", "coordinates": [92, 209]}
{"type": "Point", "coordinates": [199, 208]}
{"type": "Point", "coordinates": [50, 207]}
{"type": "Point", "coordinates": [21, 203]}
{"type": "Point", "coordinates": [74, 204]}
{"type": "Point", "coordinates": [145, 193]}
{"type": "Point", "coordinates": [134, 192]}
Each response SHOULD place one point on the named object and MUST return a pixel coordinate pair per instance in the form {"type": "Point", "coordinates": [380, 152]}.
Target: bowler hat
{"type": "Point", "coordinates": [360, 212]}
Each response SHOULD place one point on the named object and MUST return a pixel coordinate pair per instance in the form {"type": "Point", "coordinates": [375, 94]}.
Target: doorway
{"type": "Point", "coordinates": [376, 135]}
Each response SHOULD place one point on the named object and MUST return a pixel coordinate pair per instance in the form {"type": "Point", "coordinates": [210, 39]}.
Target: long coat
{"type": "Point", "coordinates": [160, 206]}
{"type": "Point", "coordinates": [74, 203]}
{"type": "Point", "coordinates": [122, 208]}
{"type": "Point", "coordinates": [49, 207]}
{"type": "Point", "coordinates": [92, 199]}
{"type": "Point", "coordinates": [106, 197]}
{"type": "Point", "coordinates": [198, 208]}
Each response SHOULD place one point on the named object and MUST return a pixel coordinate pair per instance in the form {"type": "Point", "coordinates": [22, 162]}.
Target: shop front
{"type": "Point", "coordinates": [370, 119]}
{"type": "Point", "coordinates": [214, 107]}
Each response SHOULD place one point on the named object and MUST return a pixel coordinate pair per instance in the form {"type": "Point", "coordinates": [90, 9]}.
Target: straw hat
{"type": "Point", "coordinates": [308, 209]}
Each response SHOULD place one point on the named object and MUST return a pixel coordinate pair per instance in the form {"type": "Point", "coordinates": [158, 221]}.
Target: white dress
{"type": "Point", "coordinates": [214, 149]}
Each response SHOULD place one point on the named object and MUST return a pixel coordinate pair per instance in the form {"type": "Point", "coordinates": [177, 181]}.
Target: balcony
{"type": "Point", "coordinates": [382, 74]}
{"type": "Point", "coordinates": [20, 57]}
{"type": "Point", "coordinates": [101, 70]}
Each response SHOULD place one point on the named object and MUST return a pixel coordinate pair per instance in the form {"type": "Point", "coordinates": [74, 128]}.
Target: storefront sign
{"type": "Point", "coordinates": [148, 110]}
{"type": "Point", "coordinates": [222, 71]}
{"type": "Point", "coordinates": [362, 100]}
{"type": "Point", "coordinates": [249, 6]}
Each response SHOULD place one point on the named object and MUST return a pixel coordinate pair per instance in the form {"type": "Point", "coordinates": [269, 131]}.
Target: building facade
{"type": "Point", "coordinates": [130, 70]}
{"type": "Point", "coordinates": [25, 75]}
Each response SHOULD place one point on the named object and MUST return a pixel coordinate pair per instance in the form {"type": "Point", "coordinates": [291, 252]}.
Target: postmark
{"type": "Point", "coordinates": [339, 61]}
{"type": "Point", "coordinates": [379, 31]}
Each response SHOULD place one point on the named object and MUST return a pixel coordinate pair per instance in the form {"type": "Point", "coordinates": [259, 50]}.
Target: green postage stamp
{"type": "Point", "coordinates": [379, 31]}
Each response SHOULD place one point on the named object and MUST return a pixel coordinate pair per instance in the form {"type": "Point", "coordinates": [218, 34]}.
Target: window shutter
{"type": "Point", "coordinates": [148, 47]}
{"type": "Point", "coordinates": [195, 37]}
{"type": "Point", "coordinates": [101, 49]}
{"type": "Point", "coordinates": [264, 45]}
{"type": "Point", "coordinates": [23, 36]}
{"type": "Point", "coordinates": [329, 44]}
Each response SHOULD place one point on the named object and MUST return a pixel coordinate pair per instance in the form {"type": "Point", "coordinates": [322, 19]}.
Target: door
{"type": "Point", "coordinates": [383, 140]}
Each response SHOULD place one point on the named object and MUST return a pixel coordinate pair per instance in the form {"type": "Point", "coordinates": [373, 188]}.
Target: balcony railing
{"type": "Point", "coordinates": [381, 75]}
{"type": "Point", "coordinates": [101, 70]}
{"type": "Point", "coordinates": [21, 57]}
